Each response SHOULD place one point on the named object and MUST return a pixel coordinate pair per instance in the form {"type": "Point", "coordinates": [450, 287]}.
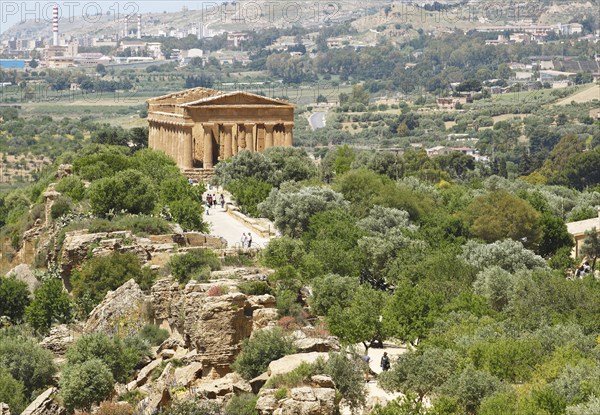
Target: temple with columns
{"type": "Point", "coordinates": [200, 127]}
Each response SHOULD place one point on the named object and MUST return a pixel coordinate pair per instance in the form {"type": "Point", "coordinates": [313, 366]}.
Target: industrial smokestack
{"type": "Point", "coordinates": [127, 26]}
{"type": "Point", "coordinates": [139, 32]}
{"type": "Point", "coordinates": [55, 25]}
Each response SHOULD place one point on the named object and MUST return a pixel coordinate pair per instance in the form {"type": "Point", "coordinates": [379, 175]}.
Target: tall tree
{"type": "Point", "coordinates": [591, 246]}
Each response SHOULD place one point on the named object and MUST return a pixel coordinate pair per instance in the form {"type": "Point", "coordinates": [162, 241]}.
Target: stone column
{"type": "Point", "coordinates": [160, 139]}
{"type": "Point", "coordinates": [166, 147]}
{"type": "Point", "coordinates": [188, 149]}
{"type": "Point", "coordinates": [234, 139]}
{"type": "Point", "coordinates": [150, 135]}
{"type": "Point", "coordinates": [197, 143]}
{"type": "Point", "coordinates": [172, 143]}
{"type": "Point", "coordinates": [288, 140]}
{"type": "Point", "coordinates": [241, 137]}
{"type": "Point", "coordinates": [227, 151]}
{"type": "Point", "coordinates": [250, 137]}
{"type": "Point", "coordinates": [178, 147]}
{"type": "Point", "coordinates": [280, 135]}
{"type": "Point", "coordinates": [208, 146]}
{"type": "Point", "coordinates": [269, 135]}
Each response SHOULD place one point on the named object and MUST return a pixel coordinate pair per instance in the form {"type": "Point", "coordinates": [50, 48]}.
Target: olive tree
{"type": "Point", "coordinates": [128, 190]}
{"type": "Point", "coordinates": [421, 372]}
{"type": "Point", "coordinates": [85, 384]}
{"type": "Point", "coordinates": [508, 254]}
{"type": "Point", "coordinates": [291, 209]}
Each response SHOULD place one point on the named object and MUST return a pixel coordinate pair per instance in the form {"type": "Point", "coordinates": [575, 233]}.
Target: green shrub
{"type": "Point", "coordinates": [73, 187]}
{"type": "Point", "coordinates": [257, 352]}
{"type": "Point", "coordinates": [332, 290]}
{"type": "Point", "coordinates": [102, 274]}
{"type": "Point", "coordinates": [280, 394]}
{"type": "Point", "coordinates": [51, 304]}
{"type": "Point", "coordinates": [153, 334]}
{"type": "Point", "coordinates": [14, 298]}
{"type": "Point", "coordinates": [101, 161]}
{"type": "Point", "coordinates": [294, 378]}
{"type": "Point", "coordinates": [11, 392]}
{"type": "Point", "coordinates": [155, 164]}
{"type": "Point", "coordinates": [188, 213]}
{"type": "Point", "coordinates": [128, 191]}
{"type": "Point", "coordinates": [178, 188]}
{"type": "Point", "coordinates": [198, 407]}
{"type": "Point", "coordinates": [26, 361]}
{"type": "Point", "coordinates": [85, 384]}
{"type": "Point", "coordinates": [243, 404]}
{"type": "Point", "coordinates": [132, 397]}
{"type": "Point", "coordinates": [120, 356]}
{"type": "Point", "coordinates": [287, 303]}
{"type": "Point", "coordinates": [184, 267]}
{"type": "Point", "coordinates": [137, 224]}
{"type": "Point", "coordinates": [347, 375]}
{"type": "Point", "coordinates": [408, 405]}
{"type": "Point", "coordinates": [283, 251]}
{"type": "Point", "coordinates": [248, 192]}
{"type": "Point", "coordinates": [242, 259]}
{"type": "Point", "coordinates": [255, 288]}
{"type": "Point", "coordinates": [61, 207]}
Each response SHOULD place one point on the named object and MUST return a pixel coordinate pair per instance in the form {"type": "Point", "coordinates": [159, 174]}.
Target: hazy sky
{"type": "Point", "coordinates": [14, 11]}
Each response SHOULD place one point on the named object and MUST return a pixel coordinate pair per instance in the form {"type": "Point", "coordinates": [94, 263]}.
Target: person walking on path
{"type": "Point", "coordinates": [385, 362]}
{"type": "Point", "coordinates": [244, 240]}
{"type": "Point", "coordinates": [249, 240]}
{"type": "Point", "coordinates": [222, 201]}
{"type": "Point", "coordinates": [366, 368]}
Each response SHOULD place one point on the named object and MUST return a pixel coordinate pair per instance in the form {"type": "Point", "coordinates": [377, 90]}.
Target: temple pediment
{"type": "Point", "coordinates": [186, 96]}
{"type": "Point", "coordinates": [237, 98]}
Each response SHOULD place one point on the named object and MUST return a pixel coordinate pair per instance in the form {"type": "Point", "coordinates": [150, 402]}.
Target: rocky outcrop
{"type": "Point", "coordinates": [306, 344]}
{"type": "Point", "coordinates": [322, 381]}
{"type": "Point", "coordinates": [213, 325]}
{"type": "Point", "coordinates": [4, 409]}
{"type": "Point", "coordinates": [264, 317]}
{"type": "Point", "coordinates": [45, 405]}
{"type": "Point", "coordinates": [58, 340]}
{"type": "Point", "coordinates": [122, 309]}
{"type": "Point", "coordinates": [290, 362]}
{"type": "Point", "coordinates": [158, 394]}
{"type": "Point", "coordinates": [304, 400]}
{"type": "Point", "coordinates": [219, 388]}
{"type": "Point", "coordinates": [78, 245]}
{"type": "Point", "coordinates": [187, 375]}
{"type": "Point", "coordinates": [64, 170]}
{"type": "Point", "coordinates": [264, 312]}
{"type": "Point", "coordinates": [216, 326]}
{"type": "Point", "coordinates": [167, 299]}
{"type": "Point", "coordinates": [144, 374]}
{"type": "Point", "coordinates": [23, 273]}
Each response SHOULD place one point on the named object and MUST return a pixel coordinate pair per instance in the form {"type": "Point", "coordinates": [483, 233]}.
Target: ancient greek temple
{"type": "Point", "coordinates": [199, 127]}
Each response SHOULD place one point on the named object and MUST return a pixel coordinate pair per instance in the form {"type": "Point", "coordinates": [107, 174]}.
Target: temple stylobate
{"type": "Point", "coordinates": [199, 127]}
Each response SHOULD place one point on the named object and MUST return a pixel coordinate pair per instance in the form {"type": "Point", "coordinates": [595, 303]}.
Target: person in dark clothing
{"type": "Point", "coordinates": [385, 362]}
